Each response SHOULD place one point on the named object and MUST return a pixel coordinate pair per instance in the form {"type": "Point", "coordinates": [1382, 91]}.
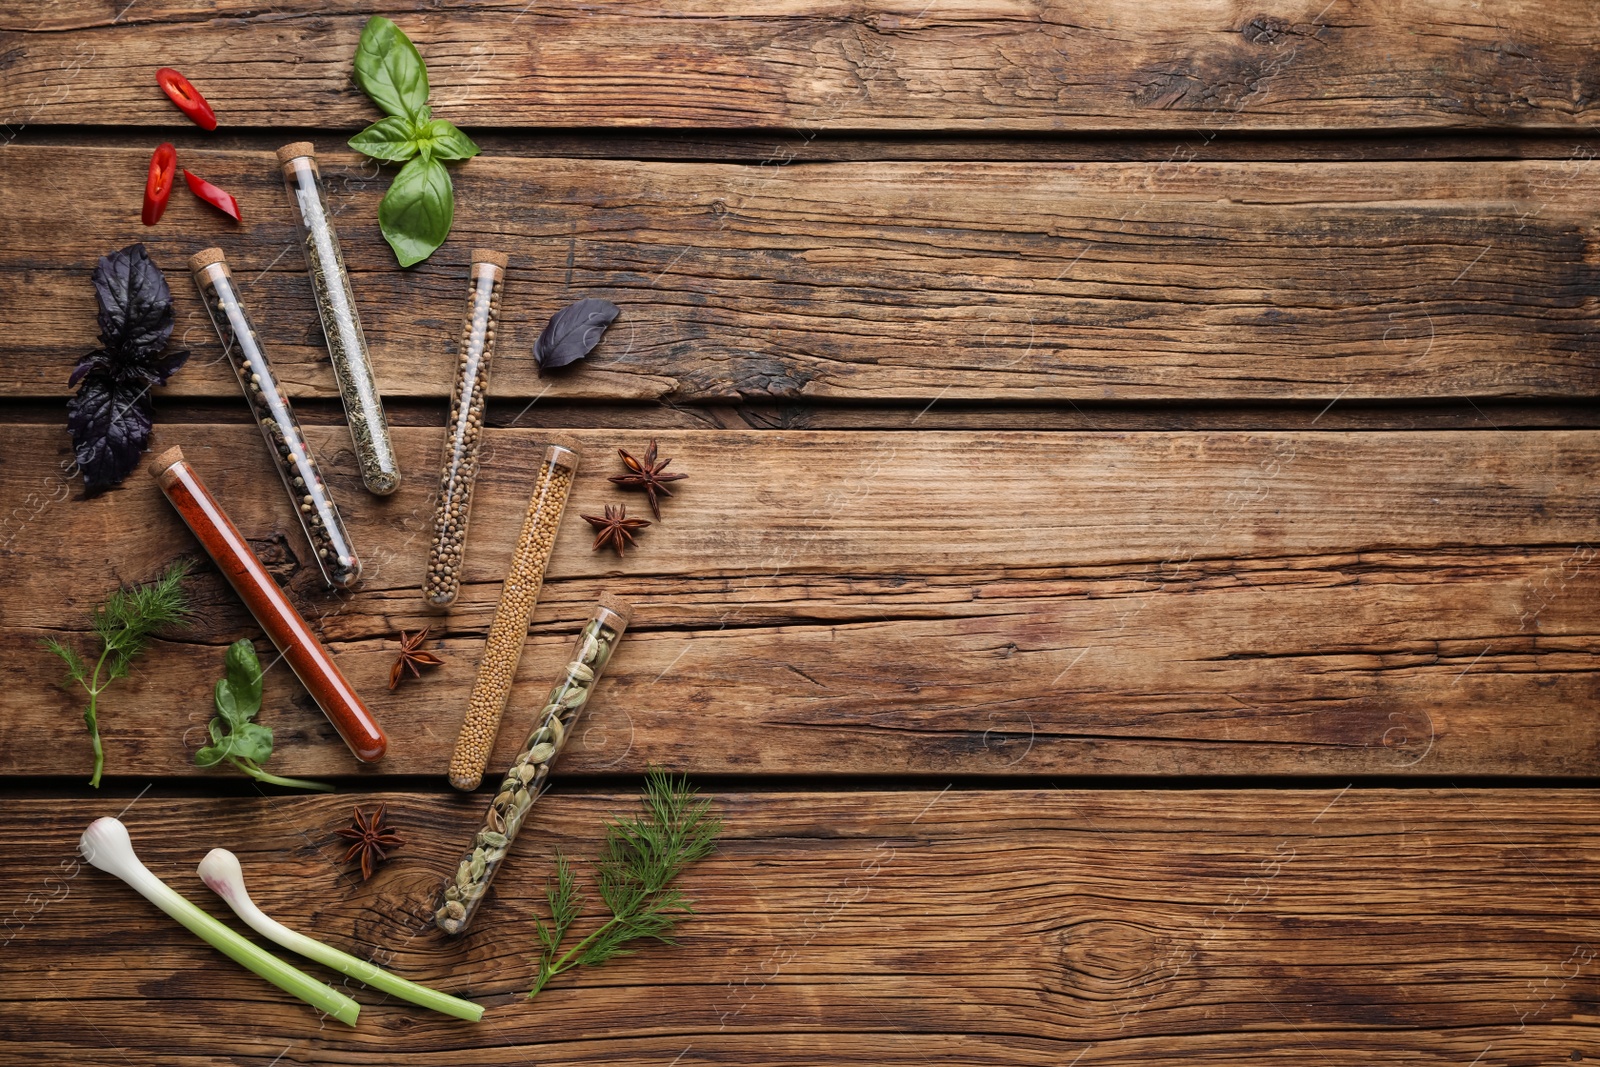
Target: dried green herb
{"type": "Point", "coordinates": [635, 876]}
{"type": "Point", "coordinates": [124, 624]}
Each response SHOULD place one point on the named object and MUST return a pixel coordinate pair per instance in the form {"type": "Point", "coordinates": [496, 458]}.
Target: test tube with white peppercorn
{"type": "Point", "coordinates": [509, 631]}
{"type": "Point", "coordinates": [464, 432]}
{"type": "Point", "coordinates": [330, 543]}
{"type": "Point", "coordinates": [341, 325]}
{"type": "Point", "coordinates": [525, 781]}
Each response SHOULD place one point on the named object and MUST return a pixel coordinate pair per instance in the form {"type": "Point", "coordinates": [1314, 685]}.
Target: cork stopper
{"type": "Point", "coordinates": [613, 612]}
{"type": "Point", "coordinates": [165, 462]}
{"type": "Point", "coordinates": [204, 258]}
{"type": "Point", "coordinates": [561, 454]}
{"type": "Point", "coordinates": [489, 255]}
{"type": "Point", "coordinates": [295, 151]}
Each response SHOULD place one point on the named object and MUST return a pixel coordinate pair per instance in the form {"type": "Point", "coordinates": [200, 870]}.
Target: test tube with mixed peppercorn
{"type": "Point", "coordinates": [464, 432]}
{"type": "Point", "coordinates": [509, 631]}
{"type": "Point", "coordinates": [341, 325]}
{"type": "Point", "coordinates": [525, 781]}
{"type": "Point", "coordinates": [308, 493]}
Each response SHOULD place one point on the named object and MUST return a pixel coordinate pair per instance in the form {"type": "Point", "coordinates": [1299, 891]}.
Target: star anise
{"type": "Point", "coordinates": [371, 837]}
{"type": "Point", "coordinates": [615, 528]}
{"type": "Point", "coordinates": [412, 655]}
{"type": "Point", "coordinates": [647, 475]}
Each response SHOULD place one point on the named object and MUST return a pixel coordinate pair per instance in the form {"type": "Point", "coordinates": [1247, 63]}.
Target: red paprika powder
{"type": "Point", "coordinates": [288, 631]}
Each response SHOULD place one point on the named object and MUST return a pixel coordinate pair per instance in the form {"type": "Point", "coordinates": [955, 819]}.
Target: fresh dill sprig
{"type": "Point", "coordinates": [635, 875]}
{"type": "Point", "coordinates": [124, 625]}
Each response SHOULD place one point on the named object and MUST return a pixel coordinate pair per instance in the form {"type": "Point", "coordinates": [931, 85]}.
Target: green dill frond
{"type": "Point", "coordinates": [566, 906]}
{"type": "Point", "coordinates": [566, 903]}
{"type": "Point", "coordinates": [129, 617]}
{"type": "Point", "coordinates": [77, 670]}
{"type": "Point", "coordinates": [123, 623]}
{"type": "Point", "coordinates": [635, 874]}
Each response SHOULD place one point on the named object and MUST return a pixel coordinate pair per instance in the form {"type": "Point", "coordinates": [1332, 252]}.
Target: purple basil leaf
{"type": "Point", "coordinates": [110, 417]}
{"type": "Point", "coordinates": [110, 425]}
{"type": "Point", "coordinates": [135, 304]}
{"type": "Point", "coordinates": [154, 371]}
{"type": "Point", "coordinates": [97, 361]}
{"type": "Point", "coordinates": [573, 332]}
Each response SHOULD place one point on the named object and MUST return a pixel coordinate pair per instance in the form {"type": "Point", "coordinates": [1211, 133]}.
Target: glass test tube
{"type": "Point", "coordinates": [509, 631]}
{"type": "Point", "coordinates": [341, 325]}
{"type": "Point", "coordinates": [525, 781]}
{"type": "Point", "coordinates": [308, 493]}
{"type": "Point", "coordinates": [296, 641]}
{"type": "Point", "coordinates": [464, 432]}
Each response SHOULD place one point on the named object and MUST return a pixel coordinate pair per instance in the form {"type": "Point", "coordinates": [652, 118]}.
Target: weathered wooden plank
{"type": "Point", "coordinates": [1180, 65]}
{"type": "Point", "coordinates": [783, 147]}
{"type": "Point", "coordinates": [906, 602]}
{"type": "Point", "coordinates": [883, 281]}
{"type": "Point", "coordinates": [1415, 926]}
{"type": "Point", "coordinates": [1460, 413]}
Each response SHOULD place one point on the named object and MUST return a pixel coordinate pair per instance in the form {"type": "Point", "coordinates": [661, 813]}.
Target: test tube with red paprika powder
{"type": "Point", "coordinates": [287, 630]}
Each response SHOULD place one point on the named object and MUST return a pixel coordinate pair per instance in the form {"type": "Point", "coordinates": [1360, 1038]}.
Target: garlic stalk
{"type": "Point", "coordinates": [106, 845]}
{"type": "Point", "coordinates": [221, 871]}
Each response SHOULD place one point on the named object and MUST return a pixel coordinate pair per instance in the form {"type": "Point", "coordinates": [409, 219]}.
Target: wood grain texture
{"type": "Point", "coordinates": [1407, 603]}
{"type": "Point", "coordinates": [1180, 65]}
{"type": "Point", "coordinates": [1416, 927]}
{"type": "Point", "coordinates": [883, 282]}
{"type": "Point", "coordinates": [813, 146]}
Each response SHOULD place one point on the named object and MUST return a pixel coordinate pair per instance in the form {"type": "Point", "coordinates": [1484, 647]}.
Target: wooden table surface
{"type": "Point", "coordinates": [1135, 596]}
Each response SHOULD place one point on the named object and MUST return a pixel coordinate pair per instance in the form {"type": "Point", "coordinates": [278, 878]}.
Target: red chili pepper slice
{"type": "Point", "coordinates": [187, 97]}
{"type": "Point", "coordinates": [158, 184]}
{"type": "Point", "coordinates": [218, 199]}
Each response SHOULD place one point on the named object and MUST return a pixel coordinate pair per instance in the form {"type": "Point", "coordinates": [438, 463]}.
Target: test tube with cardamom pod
{"type": "Point", "coordinates": [464, 432]}
{"type": "Point", "coordinates": [308, 493]}
{"type": "Point", "coordinates": [526, 779]}
{"type": "Point", "coordinates": [509, 631]}
{"type": "Point", "coordinates": [341, 325]}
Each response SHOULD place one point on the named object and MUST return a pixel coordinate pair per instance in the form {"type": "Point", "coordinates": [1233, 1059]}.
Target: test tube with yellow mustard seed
{"type": "Point", "coordinates": [509, 631]}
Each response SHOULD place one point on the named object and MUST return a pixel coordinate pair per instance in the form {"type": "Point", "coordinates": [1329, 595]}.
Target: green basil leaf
{"type": "Point", "coordinates": [393, 138]}
{"type": "Point", "coordinates": [417, 210]}
{"type": "Point", "coordinates": [448, 142]}
{"type": "Point", "coordinates": [252, 742]}
{"type": "Point", "coordinates": [227, 706]}
{"type": "Point", "coordinates": [211, 755]}
{"type": "Point", "coordinates": [390, 70]}
{"type": "Point", "coordinates": [242, 677]}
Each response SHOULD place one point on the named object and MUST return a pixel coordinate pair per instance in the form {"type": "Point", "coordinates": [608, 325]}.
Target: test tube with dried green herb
{"type": "Point", "coordinates": [341, 325]}
{"type": "Point", "coordinates": [526, 779]}
{"type": "Point", "coordinates": [509, 631]}
{"type": "Point", "coordinates": [464, 432]}
{"type": "Point", "coordinates": [308, 493]}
